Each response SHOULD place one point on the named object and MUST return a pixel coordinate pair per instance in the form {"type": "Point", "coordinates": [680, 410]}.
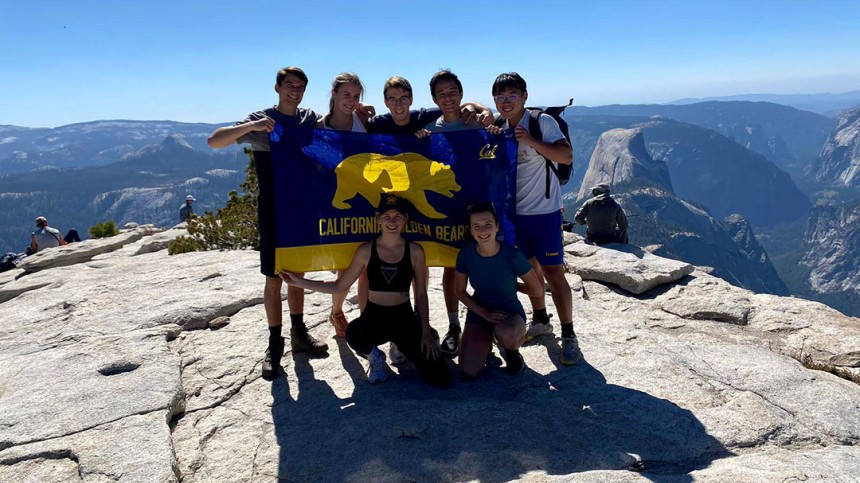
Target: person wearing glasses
{"type": "Point", "coordinates": [538, 216]}
{"type": "Point", "coordinates": [393, 265]}
{"type": "Point", "coordinates": [493, 269]}
{"type": "Point", "coordinates": [290, 84]}
{"type": "Point", "coordinates": [402, 119]}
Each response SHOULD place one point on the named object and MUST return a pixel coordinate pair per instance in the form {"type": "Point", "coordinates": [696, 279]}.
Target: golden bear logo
{"type": "Point", "coordinates": [408, 174]}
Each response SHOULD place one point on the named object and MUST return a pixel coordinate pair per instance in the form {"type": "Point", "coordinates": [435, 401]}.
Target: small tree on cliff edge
{"type": "Point", "coordinates": [233, 227]}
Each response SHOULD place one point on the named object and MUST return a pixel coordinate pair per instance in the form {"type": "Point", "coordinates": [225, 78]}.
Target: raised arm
{"type": "Point", "coordinates": [476, 112]}
{"type": "Point", "coordinates": [342, 284]}
{"type": "Point", "coordinates": [227, 135]}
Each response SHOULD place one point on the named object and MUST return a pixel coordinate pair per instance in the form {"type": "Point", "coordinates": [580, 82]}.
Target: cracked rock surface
{"type": "Point", "coordinates": [109, 371]}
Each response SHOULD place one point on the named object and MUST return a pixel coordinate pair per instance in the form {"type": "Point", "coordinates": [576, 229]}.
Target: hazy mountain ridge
{"type": "Point", "coordinates": [146, 187]}
{"type": "Point", "coordinates": [826, 104]}
{"type": "Point", "coordinates": [95, 143]}
{"type": "Point", "coordinates": [783, 134]}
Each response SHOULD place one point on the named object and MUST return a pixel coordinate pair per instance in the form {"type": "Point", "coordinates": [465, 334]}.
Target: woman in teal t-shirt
{"type": "Point", "coordinates": [493, 268]}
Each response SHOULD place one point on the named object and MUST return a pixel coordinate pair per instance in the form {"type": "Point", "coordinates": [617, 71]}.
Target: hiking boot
{"type": "Point", "coordinates": [537, 329]}
{"type": "Point", "coordinates": [514, 362]}
{"type": "Point", "coordinates": [570, 353]}
{"type": "Point", "coordinates": [395, 355]}
{"type": "Point", "coordinates": [451, 341]}
{"type": "Point", "coordinates": [339, 322]}
{"type": "Point", "coordinates": [377, 371]}
{"type": "Point", "coordinates": [302, 341]}
{"type": "Point", "coordinates": [272, 359]}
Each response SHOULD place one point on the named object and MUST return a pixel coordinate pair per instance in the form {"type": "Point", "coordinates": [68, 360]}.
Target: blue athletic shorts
{"type": "Point", "coordinates": [539, 236]}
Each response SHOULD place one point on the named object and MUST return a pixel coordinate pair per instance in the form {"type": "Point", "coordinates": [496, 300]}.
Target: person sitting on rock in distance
{"type": "Point", "coordinates": [44, 237]}
{"type": "Point", "coordinates": [492, 268]}
{"type": "Point", "coordinates": [604, 218]}
{"type": "Point", "coordinates": [392, 264]}
{"type": "Point", "coordinates": [186, 210]}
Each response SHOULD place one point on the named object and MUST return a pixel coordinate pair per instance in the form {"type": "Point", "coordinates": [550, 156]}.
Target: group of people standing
{"type": "Point", "coordinates": [388, 266]}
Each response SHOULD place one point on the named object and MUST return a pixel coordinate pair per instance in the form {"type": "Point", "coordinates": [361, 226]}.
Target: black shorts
{"type": "Point", "coordinates": [473, 318]}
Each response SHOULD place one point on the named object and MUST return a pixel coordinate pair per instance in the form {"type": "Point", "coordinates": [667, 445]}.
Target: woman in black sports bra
{"type": "Point", "coordinates": [391, 262]}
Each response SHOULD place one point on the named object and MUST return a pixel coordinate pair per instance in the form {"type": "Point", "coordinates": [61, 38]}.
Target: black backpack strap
{"type": "Point", "coordinates": [535, 132]}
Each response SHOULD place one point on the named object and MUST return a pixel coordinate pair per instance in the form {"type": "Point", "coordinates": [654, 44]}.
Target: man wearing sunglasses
{"type": "Point", "coordinates": [539, 218]}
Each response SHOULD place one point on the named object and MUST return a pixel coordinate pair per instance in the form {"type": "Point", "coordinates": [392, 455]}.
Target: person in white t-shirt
{"type": "Point", "coordinates": [539, 218]}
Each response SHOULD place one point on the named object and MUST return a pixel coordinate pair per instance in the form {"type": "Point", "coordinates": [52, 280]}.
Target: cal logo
{"type": "Point", "coordinates": [409, 175]}
{"type": "Point", "coordinates": [487, 152]}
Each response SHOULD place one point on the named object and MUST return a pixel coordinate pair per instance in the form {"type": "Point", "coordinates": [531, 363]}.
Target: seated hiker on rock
{"type": "Point", "coordinates": [604, 218]}
{"type": "Point", "coordinates": [492, 268]}
{"type": "Point", "coordinates": [187, 209]}
{"type": "Point", "coordinates": [44, 237]}
{"type": "Point", "coordinates": [392, 264]}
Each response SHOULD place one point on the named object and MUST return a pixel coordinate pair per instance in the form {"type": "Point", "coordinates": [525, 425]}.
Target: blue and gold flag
{"type": "Point", "coordinates": [328, 183]}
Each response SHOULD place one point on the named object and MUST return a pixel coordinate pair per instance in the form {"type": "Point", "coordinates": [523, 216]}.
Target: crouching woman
{"type": "Point", "coordinates": [391, 262]}
{"type": "Point", "coordinates": [493, 269]}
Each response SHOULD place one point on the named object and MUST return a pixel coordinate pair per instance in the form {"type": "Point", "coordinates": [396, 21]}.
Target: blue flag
{"type": "Point", "coordinates": [328, 184]}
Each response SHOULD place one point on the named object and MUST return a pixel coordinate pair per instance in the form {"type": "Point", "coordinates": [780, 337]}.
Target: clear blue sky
{"type": "Point", "coordinates": [215, 61]}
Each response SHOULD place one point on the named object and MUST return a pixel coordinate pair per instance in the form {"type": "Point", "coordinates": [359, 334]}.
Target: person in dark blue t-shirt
{"type": "Point", "coordinates": [492, 268]}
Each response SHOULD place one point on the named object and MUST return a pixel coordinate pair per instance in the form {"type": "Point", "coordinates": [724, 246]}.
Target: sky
{"type": "Point", "coordinates": [64, 62]}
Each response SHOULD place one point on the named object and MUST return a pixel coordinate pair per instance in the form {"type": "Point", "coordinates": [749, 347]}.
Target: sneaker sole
{"type": "Point", "coordinates": [569, 363]}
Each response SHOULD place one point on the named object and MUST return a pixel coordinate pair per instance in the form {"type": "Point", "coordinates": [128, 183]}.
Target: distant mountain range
{"type": "Point", "coordinates": [147, 186]}
{"type": "Point", "coordinates": [825, 104]}
{"type": "Point", "coordinates": [785, 135]}
{"type": "Point", "coordinates": [96, 143]}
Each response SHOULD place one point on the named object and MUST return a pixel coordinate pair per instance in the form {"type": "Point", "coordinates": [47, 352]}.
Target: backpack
{"type": "Point", "coordinates": [8, 261]}
{"type": "Point", "coordinates": [562, 171]}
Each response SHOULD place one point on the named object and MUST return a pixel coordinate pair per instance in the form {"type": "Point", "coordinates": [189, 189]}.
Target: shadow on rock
{"type": "Point", "coordinates": [495, 428]}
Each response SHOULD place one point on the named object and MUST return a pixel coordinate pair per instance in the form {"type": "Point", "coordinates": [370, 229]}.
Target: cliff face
{"type": "Point", "coordinates": [121, 366]}
{"type": "Point", "coordinates": [838, 165]}
{"type": "Point", "coordinates": [831, 246]}
{"type": "Point", "coordinates": [682, 230]}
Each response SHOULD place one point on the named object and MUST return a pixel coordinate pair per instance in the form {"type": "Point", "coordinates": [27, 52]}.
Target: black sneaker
{"type": "Point", "coordinates": [451, 341]}
{"type": "Point", "coordinates": [514, 362]}
{"type": "Point", "coordinates": [302, 341]}
{"type": "Point", "coordinates": [272, 359]}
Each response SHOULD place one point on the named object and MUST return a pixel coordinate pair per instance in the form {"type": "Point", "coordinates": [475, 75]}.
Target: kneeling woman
{"type": "Point", "coordinates": [493, 269]}
{"type": "Point", "coordinates": [391, 262]}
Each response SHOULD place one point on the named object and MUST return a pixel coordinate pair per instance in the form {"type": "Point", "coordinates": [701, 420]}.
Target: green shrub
{"type": "Point", "coordinates": [104, 229]}
{"type": "Point", "coordinates": [233, 227]}
{"type": "Point", "coordinates": [184, 244]}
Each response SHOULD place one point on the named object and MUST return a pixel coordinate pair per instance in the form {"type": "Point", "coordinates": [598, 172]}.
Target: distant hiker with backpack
{"type": "Point", "coordinates": [604, 218]}
{"type": "Point", "coordinates": [44, 237]}
{"type": "Point", "coordinates": [543, 148]}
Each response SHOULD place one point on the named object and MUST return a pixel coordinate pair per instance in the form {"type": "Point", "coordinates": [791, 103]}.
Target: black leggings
{"type": "Point", "coordinates": [398, 324]}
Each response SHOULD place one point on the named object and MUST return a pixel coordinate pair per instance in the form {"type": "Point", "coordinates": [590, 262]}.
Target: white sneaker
{"type": "Point", "coordinates": [377, 371]}
{"type": "Point", "coordinates": [395, 355]}
{"type": "Point", "coordinates": [537, 329]}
